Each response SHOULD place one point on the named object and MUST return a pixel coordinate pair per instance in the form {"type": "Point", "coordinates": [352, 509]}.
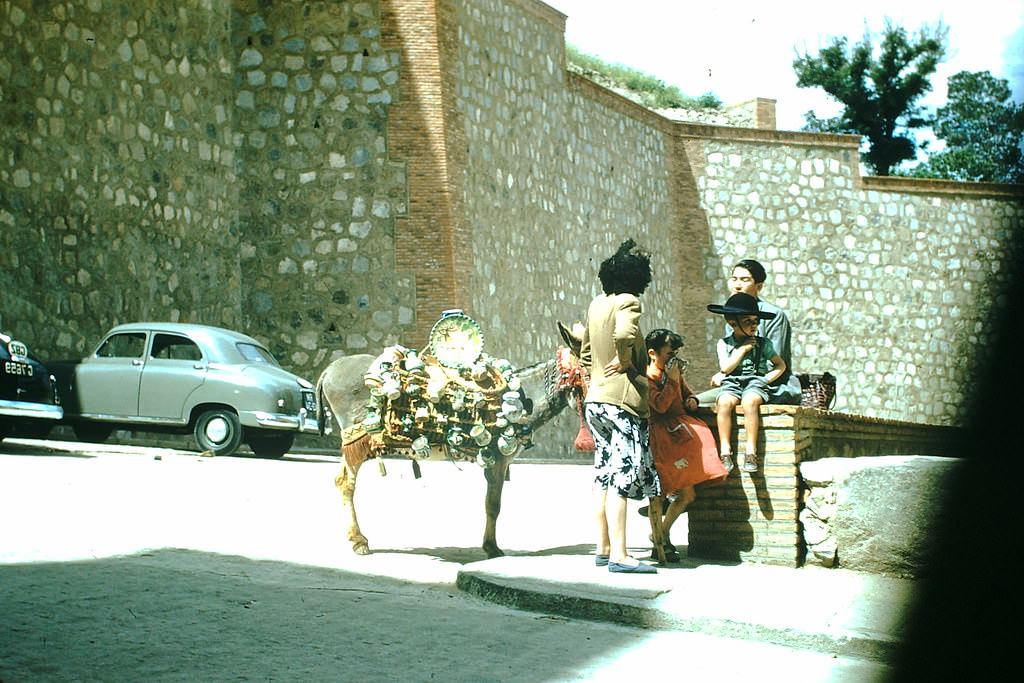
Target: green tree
{"type": "Point", "coordinates": [983, 130]}
{"type": "Point", "coordinates": [879, 94]}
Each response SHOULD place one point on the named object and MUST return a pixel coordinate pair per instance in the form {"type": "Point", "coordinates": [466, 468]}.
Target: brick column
{"type": "Point", "coordinates": [764, 113]}
{"type": "Point", "coordinates": [753, 517]}
{"type": "Point", "coordinates": [424, 132]}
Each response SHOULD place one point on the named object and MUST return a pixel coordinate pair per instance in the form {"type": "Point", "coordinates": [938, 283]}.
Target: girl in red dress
{"type": "Point", "coordinates": [683, 446]}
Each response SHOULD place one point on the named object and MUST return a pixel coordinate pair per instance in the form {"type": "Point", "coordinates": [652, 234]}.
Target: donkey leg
{"type": "Point", "coordinates": [495, 475]}
{"type": "Point", "coordinates": [346, 483]}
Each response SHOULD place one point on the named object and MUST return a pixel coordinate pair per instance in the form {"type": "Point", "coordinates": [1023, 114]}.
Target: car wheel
{"type": "Point", "coordinates": [271, 445]}
{"type": "Point", "coordinates": [218, 431]}
{"type": "Point", "coordinates": [92, 432]}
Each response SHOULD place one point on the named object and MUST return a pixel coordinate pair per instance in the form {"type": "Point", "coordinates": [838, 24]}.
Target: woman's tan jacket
{"type": "Point", "coordinates": [613, 330]}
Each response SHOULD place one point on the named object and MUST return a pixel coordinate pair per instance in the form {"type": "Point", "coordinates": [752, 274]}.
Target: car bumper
{"type": "Point", "coordinates": [303, 422]}
{"type": "Point", "coordinates": [38, 411]}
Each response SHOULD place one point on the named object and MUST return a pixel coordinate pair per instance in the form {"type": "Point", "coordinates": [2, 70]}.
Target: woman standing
{"type": "Point", "coordinates": [615, 356]}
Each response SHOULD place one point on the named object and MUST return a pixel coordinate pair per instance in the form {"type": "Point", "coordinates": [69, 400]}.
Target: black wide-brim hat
{"type": "Point", "coordinates": [741, 304]}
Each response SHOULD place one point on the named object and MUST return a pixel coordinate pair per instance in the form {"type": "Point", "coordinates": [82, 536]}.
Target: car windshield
{"type": "Point", "coordinates": [256, 354]}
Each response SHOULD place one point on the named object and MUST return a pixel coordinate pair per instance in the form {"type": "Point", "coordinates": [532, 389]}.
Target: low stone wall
{"type": "Point", "coordinates": [875, 514]}
{"type": "Point", "coordinates": [757, 517]}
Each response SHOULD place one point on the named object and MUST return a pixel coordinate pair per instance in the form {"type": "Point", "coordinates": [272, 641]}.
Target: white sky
{"type": "Point", "coordinates": [743, 49]}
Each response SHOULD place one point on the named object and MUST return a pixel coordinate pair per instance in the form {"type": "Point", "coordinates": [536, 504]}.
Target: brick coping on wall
{"type": "Point", "coordinates": [542, 11]}
{"type": "Point", "coordinates": [934, 186]}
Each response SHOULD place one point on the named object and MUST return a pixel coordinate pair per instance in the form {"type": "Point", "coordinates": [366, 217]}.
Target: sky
{"type": "Point", "coordinates": [742, 49]}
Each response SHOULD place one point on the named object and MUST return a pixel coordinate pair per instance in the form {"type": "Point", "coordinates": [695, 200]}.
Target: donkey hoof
{"type": "Point", "coordinates": [493, 553]}
{"type": "Point", "coordinates": [361, 549]}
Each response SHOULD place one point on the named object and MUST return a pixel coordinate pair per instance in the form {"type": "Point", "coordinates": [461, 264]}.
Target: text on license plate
{"type": "Point", "coordinates": [310, 401]}
{"type": "Point", "coordinates": [13, 368]}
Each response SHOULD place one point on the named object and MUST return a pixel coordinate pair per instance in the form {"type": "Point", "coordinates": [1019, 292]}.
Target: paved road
{"type": "Point", "coordinates": [121, 563]}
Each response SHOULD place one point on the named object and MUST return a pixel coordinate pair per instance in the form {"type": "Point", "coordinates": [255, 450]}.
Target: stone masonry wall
{"type": "Point", "coordinates": [211, 161]}
{"type": "Point", "coordinates": [553, 184]}
{"type": "Point", "coordinates": [887, 288]}
{"type": "Point", "coordinates": [116, 200]}
{"type": "Point", "coordinates": [318, 192]}
{"type": "Point", "coordinates": [330, 175]}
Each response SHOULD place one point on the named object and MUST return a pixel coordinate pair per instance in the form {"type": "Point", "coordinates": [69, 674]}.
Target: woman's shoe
{"type": "Point", "coordinates": [727, 462]}
{"type": "Point", "coordinates": [600, 560]}
{"type": "Point", "coordinates": [638, 568]}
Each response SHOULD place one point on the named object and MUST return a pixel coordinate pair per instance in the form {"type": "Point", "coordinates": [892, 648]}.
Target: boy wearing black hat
{"type": "Point", "coordinates": [750, 364]}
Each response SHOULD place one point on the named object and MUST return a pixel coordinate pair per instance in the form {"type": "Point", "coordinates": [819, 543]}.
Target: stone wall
{"type": "Point", "coordinates": [329, 176]}
{"type": "Point", "coordinates": [877, 514]}
{"type": "Point", "coordinates": [886, 282]}
{"type": "Point", "coordinates": [553, 184]}
{"type": "Point", "coordinates": [318, 192]}
{"type": "Point", "coordinates": [212, 161]}
{"type": "Point", "coordinates": [116, 193]}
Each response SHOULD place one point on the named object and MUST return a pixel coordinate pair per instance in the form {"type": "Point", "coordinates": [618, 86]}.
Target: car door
{"type": "Point", "coordinates": [107, 383]}
{"type": "Point", "coordinates": [174, 369]}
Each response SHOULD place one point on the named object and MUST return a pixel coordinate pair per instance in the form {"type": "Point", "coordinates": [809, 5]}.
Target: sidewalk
{"type": "Point", "coordinates": [825, 610]}
{"type": "Point", "coordinates": [545, 528]}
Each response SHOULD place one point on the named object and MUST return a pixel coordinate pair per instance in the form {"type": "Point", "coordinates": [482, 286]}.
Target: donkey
{"type": "Point", "coordinates": [341, 387]}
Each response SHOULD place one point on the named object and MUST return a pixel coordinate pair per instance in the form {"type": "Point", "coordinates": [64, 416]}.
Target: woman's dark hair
{"type": "Point", "coordinates": [628, 271]}
{"type": "Point", "coordinates": [755, 269]}
{"type": "Point", "coordinates": [655, 339]}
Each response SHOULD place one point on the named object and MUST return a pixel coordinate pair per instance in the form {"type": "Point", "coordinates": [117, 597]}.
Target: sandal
{"type": "Point", "coordinates": [750, 462]}
{"type": "Point", "coordinates": [671, 554]}
{"type": "Point", "coordinates": [727, 462]}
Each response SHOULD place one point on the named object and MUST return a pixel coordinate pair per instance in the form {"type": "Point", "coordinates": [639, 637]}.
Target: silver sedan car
{"type": "Point", "coordinates": [223, 386]}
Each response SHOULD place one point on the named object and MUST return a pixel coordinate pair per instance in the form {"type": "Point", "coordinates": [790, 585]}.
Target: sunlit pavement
{"type": "Point", "coordinates": [81, 501]}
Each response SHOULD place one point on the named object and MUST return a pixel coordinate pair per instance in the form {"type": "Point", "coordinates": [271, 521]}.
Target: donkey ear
{"type": "Point", "coordinates": [571, 340]}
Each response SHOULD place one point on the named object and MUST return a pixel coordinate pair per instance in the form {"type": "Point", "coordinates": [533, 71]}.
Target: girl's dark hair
{"type": "Point", "coordinates": [628, 271]}
{"type": "Point", "coordinates": [755, 269]}
{"type": "Point", "coordinates": [655, 339]}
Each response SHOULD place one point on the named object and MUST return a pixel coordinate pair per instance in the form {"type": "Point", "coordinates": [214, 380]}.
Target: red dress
{"type": "Point", "coordinates": [683, 447]}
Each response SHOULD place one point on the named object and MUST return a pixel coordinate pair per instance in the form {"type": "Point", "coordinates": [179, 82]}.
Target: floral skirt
{"type": "Point", "coordinates": [622, 459]}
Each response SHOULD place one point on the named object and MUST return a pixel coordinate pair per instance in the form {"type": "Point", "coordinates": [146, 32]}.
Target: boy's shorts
{"type": "Point", "coordinates": [738, 385]}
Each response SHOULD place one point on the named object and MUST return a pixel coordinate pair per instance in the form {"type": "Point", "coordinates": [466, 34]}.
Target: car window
{"type": "Point", "coordinates": [124, 345]}
{"type": "Point", "coordinates": [175, 347]}
{"type": "Point", "coordinates": [255, 354]}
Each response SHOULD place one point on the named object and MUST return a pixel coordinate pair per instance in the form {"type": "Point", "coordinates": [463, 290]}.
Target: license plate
{"type": "Point", "coordinates": [14, 368]}
{"type": "Point", "coordinates": [310, 402]}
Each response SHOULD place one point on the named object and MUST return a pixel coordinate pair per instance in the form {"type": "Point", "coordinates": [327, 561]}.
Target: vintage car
{"type": "Point", "coordinates": [222, 386]}
{"type": "Point", "coordinates": [29, 402]}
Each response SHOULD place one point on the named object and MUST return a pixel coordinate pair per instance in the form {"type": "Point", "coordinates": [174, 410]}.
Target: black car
{"type": "Point", "coordinates": [29, 403]}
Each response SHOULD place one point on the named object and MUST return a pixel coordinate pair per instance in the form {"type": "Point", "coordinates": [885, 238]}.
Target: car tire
{"type": "Point", "coordinates": [218, 431]}
{"type": "Point", "coordinates": [92, 432]}
{"type": "Point", "coordinates": [272, 445]}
